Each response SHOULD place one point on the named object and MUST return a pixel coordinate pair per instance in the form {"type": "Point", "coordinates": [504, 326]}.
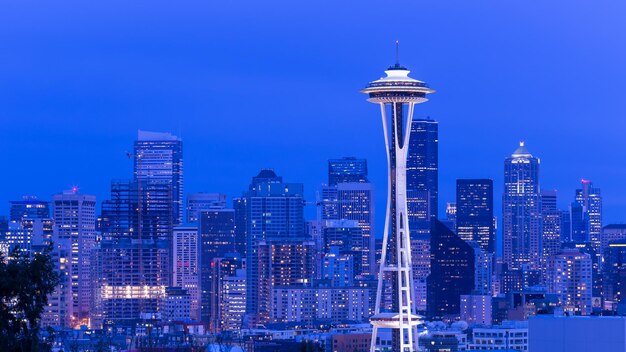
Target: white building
{"type": "Point", "coordinates": [175, 305]}
{"type": "Point", "coordinates": [571, 279]}
{"type": "Point", "coordinates": [476, 309]}
{"type": "Point", "coordinates": [233, 301]}
{"type": "Point", "coordinates": [186, 269]}
{"type": "Point", "coordinates": [59, 311]}
{"type": "Point", "coordinates": [577, 334]}
{"type": "Point", "coordinates": [74, 217]}
{"type": "Point", "coordinates": [511, 335]}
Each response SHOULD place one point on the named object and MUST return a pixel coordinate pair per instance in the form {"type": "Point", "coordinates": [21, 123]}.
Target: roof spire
{"type": "Point", "coordinates": [397, 52]}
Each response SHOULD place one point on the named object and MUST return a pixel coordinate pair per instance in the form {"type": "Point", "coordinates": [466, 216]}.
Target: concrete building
{"type": "Point", "coordinates": [510, 336]}
{"type": "Point", "coordinates": [74, 217]}
{"type": "Point", "coordinates": [570, 278]}
{"type": "Point", "coordinates": [476, 309]}
{"type": "Point", "coordinates": [294, 304]}
{"type": "Point", "coordinates": [175, 305]}
{"type": "Point", "coordinates": [186, 265]}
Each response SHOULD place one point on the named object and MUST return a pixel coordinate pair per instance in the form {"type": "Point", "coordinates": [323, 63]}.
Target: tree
{"type": "Point", "coordinates": [25, 283]}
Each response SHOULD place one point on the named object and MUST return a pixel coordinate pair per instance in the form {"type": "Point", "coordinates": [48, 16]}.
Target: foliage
{"type": "Point", "coordinates": [25, 283]}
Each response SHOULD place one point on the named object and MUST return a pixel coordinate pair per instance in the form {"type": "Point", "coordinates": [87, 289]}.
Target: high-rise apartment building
{"type": "Point", "coordinates": [474, 212]}
{"type": "Point", "coordinates": [521, 210]}
{"type": "Point", "coordinates": [571, 280]}
{"type": "Point", "coordinates": [186, 253]}
{"type": "Point", "coordinates": [225, 285]}
{"type": "Point", "coordinates": [158, 157]}
{"type": "Point", "coordinates": [233, 301]}
{"type": "Point", "coordinates": [74, 217]}
{"type": "Point", "coordinates": [282, 263]}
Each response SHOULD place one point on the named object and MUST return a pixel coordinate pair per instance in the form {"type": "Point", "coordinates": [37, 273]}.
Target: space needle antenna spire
{"type": "Point", "coordinates": [397, 53]}
{"type": "Point", "coordinates": [396, 94]}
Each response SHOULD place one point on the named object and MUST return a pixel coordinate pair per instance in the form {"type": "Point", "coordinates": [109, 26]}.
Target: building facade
{"type": "Point", "coordinates": [74, 217]}
{"type": "Point", "coordinates": [474, 212]}
{"type": "Point", "coordinates": [521, 213]}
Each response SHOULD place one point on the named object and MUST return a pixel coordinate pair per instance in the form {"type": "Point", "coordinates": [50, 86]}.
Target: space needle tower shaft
{"type": "Point", "coordinates": [397, 94]}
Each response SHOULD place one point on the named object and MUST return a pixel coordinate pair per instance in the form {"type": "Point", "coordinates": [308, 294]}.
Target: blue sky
{"type": "Point", "coordinates": [275, 84]}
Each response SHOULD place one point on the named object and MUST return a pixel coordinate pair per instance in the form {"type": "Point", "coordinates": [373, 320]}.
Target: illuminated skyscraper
{"type": "Point", "coordinates": [133, 261]}
{"type": "Point", "coordinates": [74, 217]}
{"type": "Point", "coordinates": [571, 280]}
{"type": "Point", "coordinates": [474, 212]}
{"type": "Point", "coordinates": [186, 265]}
{"type": "Point", "coordinates": [353, 201]}
{"type": "Point", "coordinates": [590, 200]}
{"type": "Point", "coordinates": [521, 210]}
{"type": "Point", "coordinates": [422, 172]}
{"type": "Point", "coordinates": [217, 236]}
{"type": "Point", "coordinates": [397, 94]}
{"type": "Point", "coordinates": [551, 220]}
{"type": "Point", "coordinates": [347, 170]}
{"type": "Point", "coordinates": [159, 158]}
{"type": "Point", "coordinates": [274, 210]}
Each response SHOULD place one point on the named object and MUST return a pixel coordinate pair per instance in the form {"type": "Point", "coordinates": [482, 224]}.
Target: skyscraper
{"type": "Point", "coordinates": [452, 271]}
{"type": "Point", "coordinates": [396, 94]}
{"type": "Point", "coordinates": [474, 212]}
{"type": "Point", "coordinates": [353, 201]}
{"type": "Point", "coordinates": [550, 226]}
{"type": "Point", "coordinates": [614, 270]}
{"type": "Point", "coordinates": [74, 217]}
{"type": "Point", "coordinates": [199, 202]}
{"type": "Point", "coordinates": [521, 211]}
{"type": "Point", "coordinates": [571, 279]}
{"type": "Point", "coordinates": [282, 263]}
{"type": "Point", "coordinates": [186, 265]}
{"type": "Point", "coordinates": [274, 211]}
{"type": "Point", "coordinates": [217, 295]}
{"type": "Point", "coordinates": [422, 172]}
{"type": "Point", "coordinates": [590, 200]}
{"type": "Point", "coordinates": [217, 237]}
{"type": "Point", "coordinates": [347, 170]}
{"type": "Point", "coordinates": [159, 158]}
{"type": "Point", "coordinates": [133, 261]}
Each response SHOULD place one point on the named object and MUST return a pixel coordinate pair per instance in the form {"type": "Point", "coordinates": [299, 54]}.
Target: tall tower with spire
{"type": "Point", "coordinates": [521, 211]}
{"type": "Point", "coordinates": [397, 94]}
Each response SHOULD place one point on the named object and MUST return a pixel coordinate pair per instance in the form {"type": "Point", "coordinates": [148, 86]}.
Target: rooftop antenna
{"type": "Point", "coordinates": [397, 52]}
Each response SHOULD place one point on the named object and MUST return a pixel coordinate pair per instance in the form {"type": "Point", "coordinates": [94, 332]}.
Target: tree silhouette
{"type": "Point", "coordinates": [25, 283]}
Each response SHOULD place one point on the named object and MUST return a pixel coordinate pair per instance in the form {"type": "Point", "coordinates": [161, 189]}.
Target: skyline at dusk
{"type": "Point", "coordinates": [76, 90]}
{"type": "Point", "coordinates": [328, 176]}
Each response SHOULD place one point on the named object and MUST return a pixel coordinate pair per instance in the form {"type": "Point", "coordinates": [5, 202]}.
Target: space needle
{"type": "Point", "coordinates": [397, 94]}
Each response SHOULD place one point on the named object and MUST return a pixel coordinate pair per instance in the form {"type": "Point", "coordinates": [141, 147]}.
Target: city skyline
{"type": "Point", "coordinates": [538, 89]}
